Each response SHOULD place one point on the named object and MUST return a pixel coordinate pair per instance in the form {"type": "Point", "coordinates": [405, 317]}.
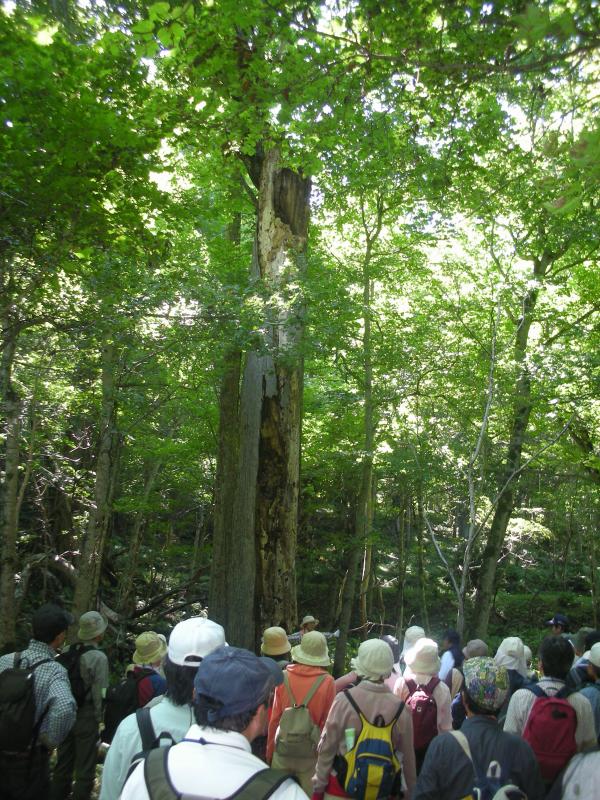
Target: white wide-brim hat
{"type": "Point", "coordinates": [411, 637]}
{"type": "Point", "coordinates": [374, 660]}
{"type": "Point", "coordinates": [424, 657]}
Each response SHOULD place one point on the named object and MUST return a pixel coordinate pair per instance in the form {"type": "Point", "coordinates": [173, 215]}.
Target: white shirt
{"type": "Point", "coordinates": [216, 769]}
{"type": "Point", "coordinates": [446, 665]}
{"type": "Point", "coordinates": [127, 742]}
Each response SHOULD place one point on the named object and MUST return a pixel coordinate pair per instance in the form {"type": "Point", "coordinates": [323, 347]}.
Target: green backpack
{"type": "Point", "coordinates": [160, 787]}
{"type": "Point", "coordinates": [297, 736]}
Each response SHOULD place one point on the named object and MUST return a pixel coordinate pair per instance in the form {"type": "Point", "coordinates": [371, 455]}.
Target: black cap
{"type": "Point", "coordinates": [50, 620]}
{"type": "Point", "coordinates": [559, 619]}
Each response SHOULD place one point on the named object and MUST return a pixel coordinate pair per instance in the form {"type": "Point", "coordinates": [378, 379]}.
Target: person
{"type": "Point", "coordinates": [394, 646]}
{"type": "Point", "coordinates": [232, 688]}
{"type": "Point", "coordinates": [189, 643]}
{"type": "Point", "coordinates": [421, 689]}
{"type": "Point", "coordinates": [580, 779]}
{"type": "Point", "coordinates": [310, 661]}
{"type": "Point", "coordinates": [556, 656]}
{"type": "Point", "coordinates": [150, 649]}
{"type": "Point", "coordinates": [308, 624]}
{"type": "Point", "coordinates": [559, 625]}
{"type": "Point", "coordinates": [411, 637]}
{"type": "Point", "coordinates": [352, 679]}
{"type": "Point", "coordinates": [26, 775]}
{"type": "Point", "coordinates": [76, 756]}
{"type": "Point", "coordinates": [578, 675]}
{"type": "Point", "coordinates": [373, 663]}
{"type": "Point", "coordinates": [276, 645]}
{"type": "Point", "coordinates": [474, 648]}
{"type": "Point", "coordinates": [448, 771]}
{"type": "Point", "coordinates": [591, 690]}
{"type": "Point", "coordinates": [511, 654]}
{"type": "Point", "coordinates": [452, 658]}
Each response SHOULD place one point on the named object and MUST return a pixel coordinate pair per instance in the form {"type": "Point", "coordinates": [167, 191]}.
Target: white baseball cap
{"type": "Point", "coordinates": [193, 639]}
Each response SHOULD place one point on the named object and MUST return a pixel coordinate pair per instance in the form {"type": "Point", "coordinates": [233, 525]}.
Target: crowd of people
{"type": "Point", "coordinates": [195, 717]}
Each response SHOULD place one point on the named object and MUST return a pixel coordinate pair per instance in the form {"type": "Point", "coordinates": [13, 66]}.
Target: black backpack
{"type": "Point", "coordinates": [121, 701]}
{"type": "Point", "coordinates": [159, 786]}
{"type": "Point", "coordinates": [70, 660]}
{"type": "Point", "coordinates": [18, 728]}
{"type": "Point", "coordinates": [150, 741]}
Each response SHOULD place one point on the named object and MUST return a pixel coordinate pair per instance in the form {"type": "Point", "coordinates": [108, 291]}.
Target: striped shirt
{"type": "Point", "coordinates": [52, 691]}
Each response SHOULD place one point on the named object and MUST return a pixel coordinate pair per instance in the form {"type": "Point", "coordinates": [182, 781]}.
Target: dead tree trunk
{"type": "Point", "coordinates": [262, 584]}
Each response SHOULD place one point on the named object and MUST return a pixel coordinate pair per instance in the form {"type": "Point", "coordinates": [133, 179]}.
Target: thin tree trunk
{"type": "Point", "coordinates": [510, 475]}
{"type": "Point", "coordinates": [9, 519]}
{"type": "Point", "coordinates": [224, 535]}
{"type": "Point", "coordinates": [594, 574]}
{"type": "Point", "coordinates": [127, 582]}
{"type": "Point", "coordinates": [421, 561]}
{"type": "Point", "coordinates": [403, 549]}
{"type": "Point", "coordinates": [348, 599]}
{"type": "Point", "coordinates": [92, 547]}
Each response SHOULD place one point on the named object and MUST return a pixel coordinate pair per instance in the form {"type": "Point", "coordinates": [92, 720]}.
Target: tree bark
{"type": "Point", "coordinates": [224, 535]}
{"type": "Point", "coordinates": [92, 547]}
{"type": "Point", "coordinates": [484, 596]}
{"type": "Point", "coordinates": [421, 561]}
{"type": "Point", "coordinates": [262, 585]}
{"type": "Point", "coordinates": [127, 581]}
{"type": "Point", "coordinates": [9, 519]}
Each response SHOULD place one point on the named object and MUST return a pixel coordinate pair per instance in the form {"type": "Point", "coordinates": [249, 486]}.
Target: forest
{"type": "Point", "coordinates": [300, 314]}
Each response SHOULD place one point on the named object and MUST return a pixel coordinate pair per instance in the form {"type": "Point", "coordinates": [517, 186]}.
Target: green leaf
{"type": "Point", "coordinates": [143, 26]}
{"type": "Point", "coordinates": [159, 10]}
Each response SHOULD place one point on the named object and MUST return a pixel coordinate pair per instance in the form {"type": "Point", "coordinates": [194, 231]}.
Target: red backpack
{"type": "Point", "coordinates": [424, 711]}
{"type": "Point", "coordinates": [550, 730]}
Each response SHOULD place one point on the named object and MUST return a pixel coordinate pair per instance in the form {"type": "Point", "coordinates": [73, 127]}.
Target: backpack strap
{"type": "Point", "coordinates": [410, 685]}
{"type": "Point", "coordinates": [563, 693]}
{"type": "Point", "coordinates": [309, 695]}
{"type": "Point", "coordinates": [288, 688]}
{"type": "Point", "coordinates": [313, 690]}
{"type": "Point", "coordinates": [536, 690]}
{"type": "Point", "coordinates": [157, 778]}
{"type": "Point", "coordinates": [146, 728]}
{"type": "Point", "coordinates": [432, 684]}
{"type": "Point", "coordinates": [353, 703]}
{"type": "Point", "coordinates": [262, 784]}
{"type": "Point", "coordinates": [464, 743]}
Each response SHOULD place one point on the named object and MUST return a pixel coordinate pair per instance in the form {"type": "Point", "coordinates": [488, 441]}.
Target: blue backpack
{"type": "Point", "coordinates": [492, 785]}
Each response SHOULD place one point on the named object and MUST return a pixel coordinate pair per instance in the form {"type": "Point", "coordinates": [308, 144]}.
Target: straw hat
{"type": "Point", "coordinates": [149, 648]}
{"type": "Point", "coordinates": [275, 642]}
{"type": "Point", "coordinates": [374, 660]}
{"type": "Point", "coordinates": [308, 619]}
{"type": "Point", "coordinates": [312, 651]}
{"type": "Point", "coordinates": [423, 657]}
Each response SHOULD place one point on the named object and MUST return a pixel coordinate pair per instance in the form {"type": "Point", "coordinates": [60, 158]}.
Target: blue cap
{"type": "Point", "coordinates": [237, 679]}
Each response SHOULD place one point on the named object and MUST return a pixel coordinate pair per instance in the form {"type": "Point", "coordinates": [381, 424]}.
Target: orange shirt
{"type": "Point", "coordinates": [301, 678]}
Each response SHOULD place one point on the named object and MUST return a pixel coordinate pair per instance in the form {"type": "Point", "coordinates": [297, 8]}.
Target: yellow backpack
{"type": "Point", "coordinates": [370, 770]}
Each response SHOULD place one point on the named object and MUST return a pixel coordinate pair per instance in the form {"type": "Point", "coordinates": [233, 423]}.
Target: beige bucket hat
{"type": "Point", "coordinates": [91, 624]}
{"type": "Point", "coordinates": [149, 648]}
{"type": "Point", "coordinates": [275, 642]}
{"type": "Point", "coordinates": [312, 651]}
